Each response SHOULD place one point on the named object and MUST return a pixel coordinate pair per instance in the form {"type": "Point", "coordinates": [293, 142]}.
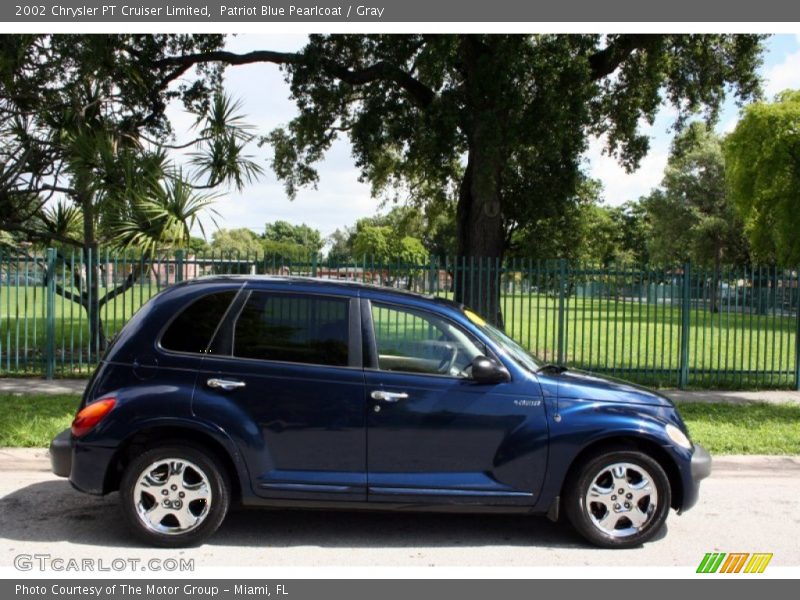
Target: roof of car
{"type": "Point", "coordinates": [321, 282]}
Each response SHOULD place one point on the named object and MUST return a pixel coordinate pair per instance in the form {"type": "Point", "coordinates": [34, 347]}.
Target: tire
{"type": "Point", "coordinates": [596, 509]}
{"type": "Point", "coordinates": [193, 483]}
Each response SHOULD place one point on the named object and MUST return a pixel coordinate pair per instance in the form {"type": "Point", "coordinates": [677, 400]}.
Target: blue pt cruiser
{"type": "Point", "coordinates": [305, 393]}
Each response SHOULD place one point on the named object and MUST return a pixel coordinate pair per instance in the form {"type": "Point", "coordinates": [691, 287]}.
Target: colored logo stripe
{"type": "Point", "coordinates": [713, 562]}
{"type": "Point", "coordinates": [734, 562]}
{"type": "Point", "coordinates": [758, 562]}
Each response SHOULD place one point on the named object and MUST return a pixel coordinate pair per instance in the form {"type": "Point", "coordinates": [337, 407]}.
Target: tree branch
{"type": "Point", "coordinates": [380, 71]}
{"type": "Point", "coordinates": [604, 62]}
{"type": "Point", "coordinates": [175, 146]}
{"type": "Point", "coordinates": [71, 296]}
{"type": "Point", "coordinates": [41, 235]}
{"type": "Point", "coordinates": [136, 272]}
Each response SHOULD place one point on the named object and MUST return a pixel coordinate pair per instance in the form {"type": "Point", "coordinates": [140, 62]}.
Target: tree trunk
{"type": "Point", "coordinates": [481, 242]}
{"type": "Point", "coordinates": [479, 221]}
{"type": "Point", "coordinates": [91, 301]}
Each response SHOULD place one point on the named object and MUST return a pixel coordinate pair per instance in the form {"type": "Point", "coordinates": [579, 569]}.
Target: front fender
{"type": "Point", "coordinates": [581, 423]}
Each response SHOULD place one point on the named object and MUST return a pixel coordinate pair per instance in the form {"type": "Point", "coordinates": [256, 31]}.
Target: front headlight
{"type": "Point", "coordinates": [677, 436]}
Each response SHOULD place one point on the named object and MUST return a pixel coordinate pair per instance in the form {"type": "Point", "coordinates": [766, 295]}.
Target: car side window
{"type": "Point", "coordinates": [192, 329]}
{"type": "Point", "coordinates": [414, 341]}
{"type": "Point", "coordinates": [293, 328]}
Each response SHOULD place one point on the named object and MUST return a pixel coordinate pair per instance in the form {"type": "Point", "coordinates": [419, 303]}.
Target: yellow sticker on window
{"type": "Point", "coordinates": [478, 320]}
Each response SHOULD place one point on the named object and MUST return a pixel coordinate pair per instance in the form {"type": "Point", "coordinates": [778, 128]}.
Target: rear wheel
{"type": "Point", "coordinates": [175, 495]}
{"type": "Point", "coordinates": [619, 499]}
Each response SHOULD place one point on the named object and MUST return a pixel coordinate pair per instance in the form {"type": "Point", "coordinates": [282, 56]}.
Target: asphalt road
{"type": "Point", "coordinates": [750, 504]}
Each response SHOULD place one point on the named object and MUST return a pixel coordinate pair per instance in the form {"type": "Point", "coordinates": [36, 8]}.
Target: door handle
{"type": "Point", "coordinates": [224, 384]}
{"type": "Point", "coordinates": [388, 396]}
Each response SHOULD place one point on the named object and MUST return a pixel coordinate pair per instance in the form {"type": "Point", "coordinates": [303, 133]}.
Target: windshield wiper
{"type": "Point", "coordinates": [551, 368]}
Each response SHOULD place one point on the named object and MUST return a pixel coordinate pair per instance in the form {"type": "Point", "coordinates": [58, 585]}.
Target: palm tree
{"type": "Point", "coordinates": [127, 193]}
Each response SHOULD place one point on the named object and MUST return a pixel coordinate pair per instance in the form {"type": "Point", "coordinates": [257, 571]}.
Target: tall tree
{"type": "Point", "coordinates": [692, 216]}
{"type": "Point", "coordinates": [232, 242]}
{"type": "Point", "coordinates": [341, 245]}
{"type": "Point", "coordinates": [763, 170]}
{"type": "Point", "coordinates": [389, 246]}
{"type": "Point", "coordinates": [307, 239]}
{"type": "Point", "coordinates": [505, 117]}
{"type": "Point", "coordinates": [633, 230]}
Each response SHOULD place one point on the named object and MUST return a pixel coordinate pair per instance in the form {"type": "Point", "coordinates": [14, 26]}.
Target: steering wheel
{"type": "Point", "coordinates": [447, 363]}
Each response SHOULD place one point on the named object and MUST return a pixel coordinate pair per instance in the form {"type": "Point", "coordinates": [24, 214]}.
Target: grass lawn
{"type": "Point", "coordinates": [750, 429]}
{"type": "Point", "coordinates": [32, 421]}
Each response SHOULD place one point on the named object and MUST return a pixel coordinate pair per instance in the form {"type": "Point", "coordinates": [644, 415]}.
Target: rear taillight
{"type": "Point", "coordinates": [91, 415]}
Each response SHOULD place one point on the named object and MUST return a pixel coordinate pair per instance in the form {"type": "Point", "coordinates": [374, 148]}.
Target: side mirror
{"type": "Point", "coordinates": [486, 370]}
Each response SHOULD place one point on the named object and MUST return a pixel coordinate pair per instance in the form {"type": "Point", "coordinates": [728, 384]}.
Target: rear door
{"type": "Point", "coordinates": [285, 373]}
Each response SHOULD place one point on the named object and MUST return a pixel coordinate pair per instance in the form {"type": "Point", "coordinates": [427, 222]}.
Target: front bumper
{"type": "Point", "coordinates": [61, 453]}
{"type": "Point", "coordinates": [699, 469]}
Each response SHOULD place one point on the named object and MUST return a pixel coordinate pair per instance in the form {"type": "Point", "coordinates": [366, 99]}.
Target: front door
{"type": "Point", "coordinates": [434, 434]}
{"type": "Point", "coordinates": [286, 375]}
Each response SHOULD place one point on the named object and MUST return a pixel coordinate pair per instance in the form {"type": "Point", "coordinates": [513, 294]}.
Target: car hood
{"type": "Point", "coordinates": [580, 385]}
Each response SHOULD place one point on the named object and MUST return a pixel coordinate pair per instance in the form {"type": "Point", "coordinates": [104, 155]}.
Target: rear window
{"type": "Point", "coordinates": [293, 328]}
{"type": "Point", "coordinates": [192, 329]}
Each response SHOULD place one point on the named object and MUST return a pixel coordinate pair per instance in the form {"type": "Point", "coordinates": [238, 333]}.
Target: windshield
{"type": "Point", "coordinates": [516, 351]}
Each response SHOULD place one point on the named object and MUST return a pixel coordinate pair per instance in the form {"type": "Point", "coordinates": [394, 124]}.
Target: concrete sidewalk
{"type": "Point", "coordinates": [734, 397]}
{"type": "Point", "coordinates": [34, 385]}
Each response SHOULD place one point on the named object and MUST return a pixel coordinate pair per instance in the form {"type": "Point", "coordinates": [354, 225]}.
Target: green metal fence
{"type": "Point", "coordinates": [681, 326]}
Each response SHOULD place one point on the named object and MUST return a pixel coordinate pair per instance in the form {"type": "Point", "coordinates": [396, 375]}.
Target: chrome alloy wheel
{"type": "Point", "coordinates": [622, 499]}
{"type": "Point", "coordinates": [172, 496]}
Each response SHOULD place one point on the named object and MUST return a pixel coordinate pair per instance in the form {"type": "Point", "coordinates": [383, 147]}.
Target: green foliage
{"type": "Point", "coordinates": [223, 139]}
{"type": "Point", "coordinates": [159, 221]}
{"type": "Point", "coordinates": [307, 239]}
{"type": "Point", "coordinates": [83, 116]}
{"type": "Point", "coordinates": [691, 216]}
{"type": "Point", "coordinates": [241, 242]}
{"type": "Point", "coordinates": [763, 173]}
{"type": "Point", "coordinates": [285, 252]}
{"type": "Point", "coordinates": [7, 240]}
{"type": "Point", "coordinates": [432, 226]}
{"type": "Point", "coordinates": [633, 232]}
{"type": "Point", "coordinates": [519, 107]}
{"type": "Point", "coordinates": [372, 242]}
{"type": "Point", "coordinates": [384, 244]}
{"type": "Point", "coordinates": [197, 246]}
{"type": "Point", "coordinates": [410, 251]}
{"type": "Point", "coordinates": [341, 245]}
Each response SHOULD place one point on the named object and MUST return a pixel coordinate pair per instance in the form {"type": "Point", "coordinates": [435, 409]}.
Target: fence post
{"type": "Point", "coordinates": [685, 308]}
{"type": "Point", "coordinates": [50, 321]}
{"type": "Point", "coordinates": [797, 334]}
{"type": "Point", "coordinates": [314, 264]}
{"type": "Point", "coordinates": [432, 271]}
{"type": "Point", "coordinates": [178, 266]}
{"type": "Point", "coordinates": [562, 282]}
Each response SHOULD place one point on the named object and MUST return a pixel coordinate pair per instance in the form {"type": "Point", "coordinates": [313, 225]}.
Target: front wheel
{"type": "Point", "coordinates": [619, 499]}
{"type": "Point", "coordinates": [175, 495]}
